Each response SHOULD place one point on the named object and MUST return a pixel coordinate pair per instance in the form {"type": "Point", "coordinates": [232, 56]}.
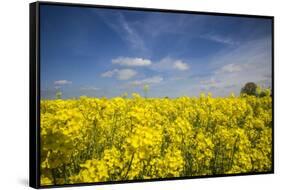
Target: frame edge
{"type": "Point", "coordinates": [34, 156]}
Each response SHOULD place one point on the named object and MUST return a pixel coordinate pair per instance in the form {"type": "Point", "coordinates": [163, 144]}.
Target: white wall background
{"type": "Point", "coordinates": [14, 49]}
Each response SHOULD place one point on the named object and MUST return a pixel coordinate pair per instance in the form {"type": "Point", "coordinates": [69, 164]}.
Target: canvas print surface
{"type": "Point", "coordinates": [136, 95]}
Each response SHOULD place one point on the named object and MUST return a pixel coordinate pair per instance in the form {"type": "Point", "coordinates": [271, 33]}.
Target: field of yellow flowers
{"type": "Point", "coordinates": [111, 139]}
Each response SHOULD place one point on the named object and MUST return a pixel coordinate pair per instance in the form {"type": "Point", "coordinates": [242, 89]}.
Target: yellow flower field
{"type": "Point", "coordinates": [100, 139]}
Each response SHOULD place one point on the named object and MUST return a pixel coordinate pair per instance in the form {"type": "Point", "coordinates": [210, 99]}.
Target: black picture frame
{"type": "Point", "coordinates": [34, 90]}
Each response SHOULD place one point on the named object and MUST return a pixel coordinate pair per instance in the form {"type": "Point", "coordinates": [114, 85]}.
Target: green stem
{"type": "Point", "coordinates": [129, 167]}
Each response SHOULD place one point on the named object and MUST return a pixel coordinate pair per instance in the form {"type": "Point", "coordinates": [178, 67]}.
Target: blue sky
{"type": "Point", "coordinates": [105, 52]}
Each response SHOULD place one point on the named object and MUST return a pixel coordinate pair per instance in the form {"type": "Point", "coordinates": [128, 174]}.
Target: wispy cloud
{"type": "Point", "coordinates": [208, 84]}
{"type": "Point", "coordinates": [89, 88]}
{"type": "Point", "coordinates": [131, 34]}
{"type": "Point", "coordinates": [62, 82]}
{"type": "Point", "coordinates": [120, 74]}
{"type": "Point", "coordinates": [231, 68]}
{"type": "Point", "coordinates": [220, 39]}
{"type": "Point", "coordinates": [249, 62]}
{"type": "Point", "coordinates": [150, 80]}
{"type": "Point", "coordinates": [126, 31]}
{"type": "Point", "coordinates": [57, 87]}
{"type": "Point", "coordinates": [109, 74]}
{"type": "Point", "coordinates": [131, 61]}
{"type": "Point", "coordinates": [159, 24]}
{"type": "Point", "coordinates": [208, 81]}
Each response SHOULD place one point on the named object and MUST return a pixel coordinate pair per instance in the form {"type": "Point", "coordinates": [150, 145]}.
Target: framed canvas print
{"type": "Point", "coordinates": [121, 94]}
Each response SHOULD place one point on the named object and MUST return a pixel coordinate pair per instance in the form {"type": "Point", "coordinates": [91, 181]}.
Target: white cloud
{"type": "Point", "coordinates": [151, 80]}
{"type": "Point", "coordinates": [178, 64]}
{"type": "Point", "coordinates": [131, 62]}
{"type": "Point", "coordinates": [125, 74]}
{"type": "Point", "coordinates": [120, 74]}
{"type": "Point", "coordinates": [62, 82]}
{"type": "Point", "coordinates": [168, 64]}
